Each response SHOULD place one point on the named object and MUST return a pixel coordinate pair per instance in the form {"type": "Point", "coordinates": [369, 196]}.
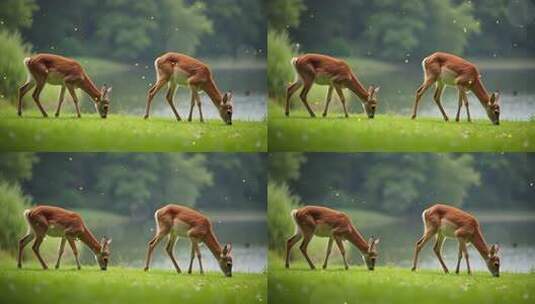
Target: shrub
{"type": "Point", "coordinates": [279, 70]}
{"type": "Point", "coordinates": [12, 223]}
{"type": "Point", "coordinates": [280, 224]}
{"type": "Point", "coordinates": [12, 71]}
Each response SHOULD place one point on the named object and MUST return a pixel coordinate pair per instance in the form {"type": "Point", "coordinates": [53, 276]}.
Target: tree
{"type": "Point", "coordinates": [16, 14]}
{"type": "Point", "coordinates": [285, 167]}
{"type": "Point", "coordinates": [283, 14]}
{"type": "Point", "coordinates": [17, 167]}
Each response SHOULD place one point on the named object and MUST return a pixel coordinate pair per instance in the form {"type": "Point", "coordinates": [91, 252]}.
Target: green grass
{"type": "Point", "coordinates": [393, 133]}
{"type": "Point", "coordinates": [98, 218]}
{"type": "Point", "coordinates": [366, 218]}
{"type": "Point", "coordinates": [126, 133]}
{"type": "Point", "coordinates": [394, 285]}
{"type": "Point", "coordinates": [126, 285]}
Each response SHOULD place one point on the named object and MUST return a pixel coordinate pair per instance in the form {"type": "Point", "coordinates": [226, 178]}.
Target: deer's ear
{"type": "Point", "coordinates": [376, 241]}
{"type": "Point", "coordinates": [376, 89]}
{"type": "Point", "coordinates": [494, 249]}
{"type": "Point", "coordinates": [108, 91]}
{"type": "Point", "coordinates": [227, 249]}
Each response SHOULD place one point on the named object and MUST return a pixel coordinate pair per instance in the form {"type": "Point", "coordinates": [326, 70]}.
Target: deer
{"type": "Point", "coordinates": [445, 221]}
{"type": "Point", "coordinates": [177, 69]}
{"type": "Point", "coordinates": [445, 69]}
{"type": "Point", "coordinates": [53, 69]}
{"type": "Point", "coordinates": [177, 221]}
{"type": "Point", "coordinates": [325, 70]}
{"type": "Point", "coordinates": [54, 221]}
{"type": "Point", "coordinates": [337, 226]}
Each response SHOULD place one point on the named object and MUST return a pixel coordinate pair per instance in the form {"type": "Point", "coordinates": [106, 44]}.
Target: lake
{"type": "Point", "coordinates": [129, 247]}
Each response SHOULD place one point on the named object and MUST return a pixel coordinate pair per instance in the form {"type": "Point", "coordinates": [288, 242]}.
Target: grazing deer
{"type": "Point", "coordinates": [58, 222]}
{"type": "Point", "coordinates": [449, 70]}
{"type": "Point", "coordinates": [180, 221]}
{"type": "Point", "coordinates": [66, 72]}
{"type": "Point", "coordinates": [178, 69]}
{"type": "Point", "coordinates": [325, 222]}
{"type": "Point", "coordinates": [326, 70]}
{"type": "Point", "coordinates": [449, 222]}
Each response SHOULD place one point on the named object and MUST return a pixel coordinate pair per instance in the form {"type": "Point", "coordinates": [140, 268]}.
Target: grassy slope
{"type": "Point", "coordinates": [126, 285]}
{"type": "Point", "coordinates": [393, 133]}
{"type": "Point", "coordinates": [394, 285]}
{"type": "Point", "coordinates": [125, 133]}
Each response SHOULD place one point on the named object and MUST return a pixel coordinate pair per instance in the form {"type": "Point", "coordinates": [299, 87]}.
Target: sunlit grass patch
{"type": "Point", "coordinates": [126, 285]}
{"type": "Point", "coordinates": [126, 133]}
{"type": "Point", "coordinates": [394, 133]}
{"type": "Point", "coordinates": [393, 285]}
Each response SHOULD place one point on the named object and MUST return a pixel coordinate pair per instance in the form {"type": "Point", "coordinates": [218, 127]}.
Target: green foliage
{"type": "Point", "coordinates": [16, 14]}
{"type": "Point", "coordinates": [279, 70]}
{"type": "Point", "coordinates": [133, 184]}
{"type": "Point", "coordinates": [16, 167]}
{"type": "Point", "coordinates": [126, 133]}
{"type": "Point", "coordinates": [393, 133]}
{"type": "Point", "coordinates": [393, 285]}
{"type": "Point", "coordinates": [280, 224]}
{"type": "Point", "coordinates": [283, 14]}
{"type": "Point", "coordinates": [284, 167]}
{"type": "Point", "coordinates": [12, 224]}
{"type": "Point", "coordinates": [126, 285]}
{"type": "Point", "coordinates": [12, 71]}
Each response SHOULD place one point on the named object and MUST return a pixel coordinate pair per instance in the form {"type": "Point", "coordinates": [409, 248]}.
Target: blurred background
{"type": "Point", "coordinates": [117, 42]}
{"type": "Point", "coordinates": [386, 193]}
{"type": "Point", "coordinates": [385, 41]}
{"type": "Point", "coordinates": [117, 195]}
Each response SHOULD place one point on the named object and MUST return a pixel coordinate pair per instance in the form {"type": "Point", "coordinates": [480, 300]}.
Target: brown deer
{"type": "Point", "coordinates": [66, 72]}
{"type": "Point", "coordinates": [325, 222]}
{"type": "Point", "coordinates": [177, 69]}
{"type": "Point", "coordinates": [180, 221]}
{"type": "Point", "coordinates": [449, 222]}
{"type": "Point", "coordinates": [69, 226]}
{"type": "Point", "coordinates": [325, 70]}
{"type": "Point", "coordinates": [449, 70]}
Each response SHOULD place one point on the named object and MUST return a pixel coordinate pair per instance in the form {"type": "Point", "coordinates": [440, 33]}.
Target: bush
{"type": "Point", "coordinates": [12, 223]}
{"type": "Point", "coordinates": [12, 71]}
{"type": "Point", "coordinates": [280, 71]}
{"type": "Point", "coordinates": [280, 224]}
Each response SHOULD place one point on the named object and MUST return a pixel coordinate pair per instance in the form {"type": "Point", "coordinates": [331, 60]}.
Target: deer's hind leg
{"type": "Point", "coordinates": [438, 251]}
{"type": "Point", "coordinates": [290, 243]}
{"type": "Point", "coordinates": [438, 97]}
{"type": "Point", "coordinates": [22, 91]}
{"type": "Point", "coordinates": [161, 232]}
{"type": "Point", "coordinates": [169, 248]}
{"type": "Point", "coordinates": [292, 88]}
{"type": "Point", "coordinates": [23, 243]}
{"type": "Point", "coordinates": [428, 234]}
{"type": "Point", "coordinates": [328, 100]}
{"type": "Point", "coordinates": [60, 102]}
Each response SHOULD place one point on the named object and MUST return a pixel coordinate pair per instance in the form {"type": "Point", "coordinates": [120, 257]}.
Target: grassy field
{"type": "Point", "coordinates": [394, 285]}
{"type": "Point", "coordinates": [126, 133]}
{"type": "Point", "coordinates": [126, 285]}
{"type": "Point", "coordinates": [394, 133]}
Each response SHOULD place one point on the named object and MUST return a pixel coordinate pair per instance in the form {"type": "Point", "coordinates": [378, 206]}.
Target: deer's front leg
{"type": "Point", "coordinates": [190, 268]}
{"type": "Point", "coordinates": [458, 116]}
{"type": "Point", "coordinates": [465, 99]}
{"type": "Point", "coordinates": [342, 100]}
{"type": "Point", "coordinates": [152, 244]}
{"type": "Point", "coordinates": [342, 251]}
{"type": "Point", "coordinates": [198, 99]}
{"type": "Point", "coordinates": [437, 98]}
{"type": "Point", "coordinates": [170, 248]}
{"type": "Point", "coordinates": [328, 100]}
{"type": "Point", "coordinates": [329, 248]}
{"type": "Point", "coordinates": [419, 93]}
{"type": "Point", "coordinates": [192, 105]}
{"type": "Point", "coordinates": [74, 99]}
{"type": "Point", "coordinates": [198, 250]}
{"type": "Point", "coordinates": [419, 245]}
{"type": "Point", "coordinates": [60, 102]}
{"type": "Point", "coordinates": [72, 243]}
{"type": "Point", "coordinates": [61, 249]}
{"type": "Point", "coordinates": [459, 258]}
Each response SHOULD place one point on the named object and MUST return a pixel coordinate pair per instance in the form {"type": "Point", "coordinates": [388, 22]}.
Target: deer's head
{"type": "Point", "coordinates": [493, 108]}
{"type": "Point", "coordinates": [225, 108]}
{"type": "Point", "coordinates": [225, 260]}
{"type": "Point", "coordinates": [493, 261]}
{"type": "Point", "coordinates": [371, 103]}
{"type": "Point", "coordinates": [104, 255]}
{"type": "Point", "coordinates": [371, 256]}
{"type": "Point", "coordinates": [103, 105]}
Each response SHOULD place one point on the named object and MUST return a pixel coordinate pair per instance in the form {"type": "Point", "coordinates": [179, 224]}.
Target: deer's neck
{"type": "Point", "coordinates": [479, 243]}
{"type": "Point", "coordinates": [213, 245]}
{"type": "Point", "coordinates": [89, 87]}
{"type": "Point", "coordinates": [213, 92]}
{"type": "Point", "coordinates": [355, 238]}
{"type": "Point", "coordinates": [89, 239]}
{"type": "Point", "coordinates": [356, 87]}
{"type": "Point", "coordinates": [481, 92]}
